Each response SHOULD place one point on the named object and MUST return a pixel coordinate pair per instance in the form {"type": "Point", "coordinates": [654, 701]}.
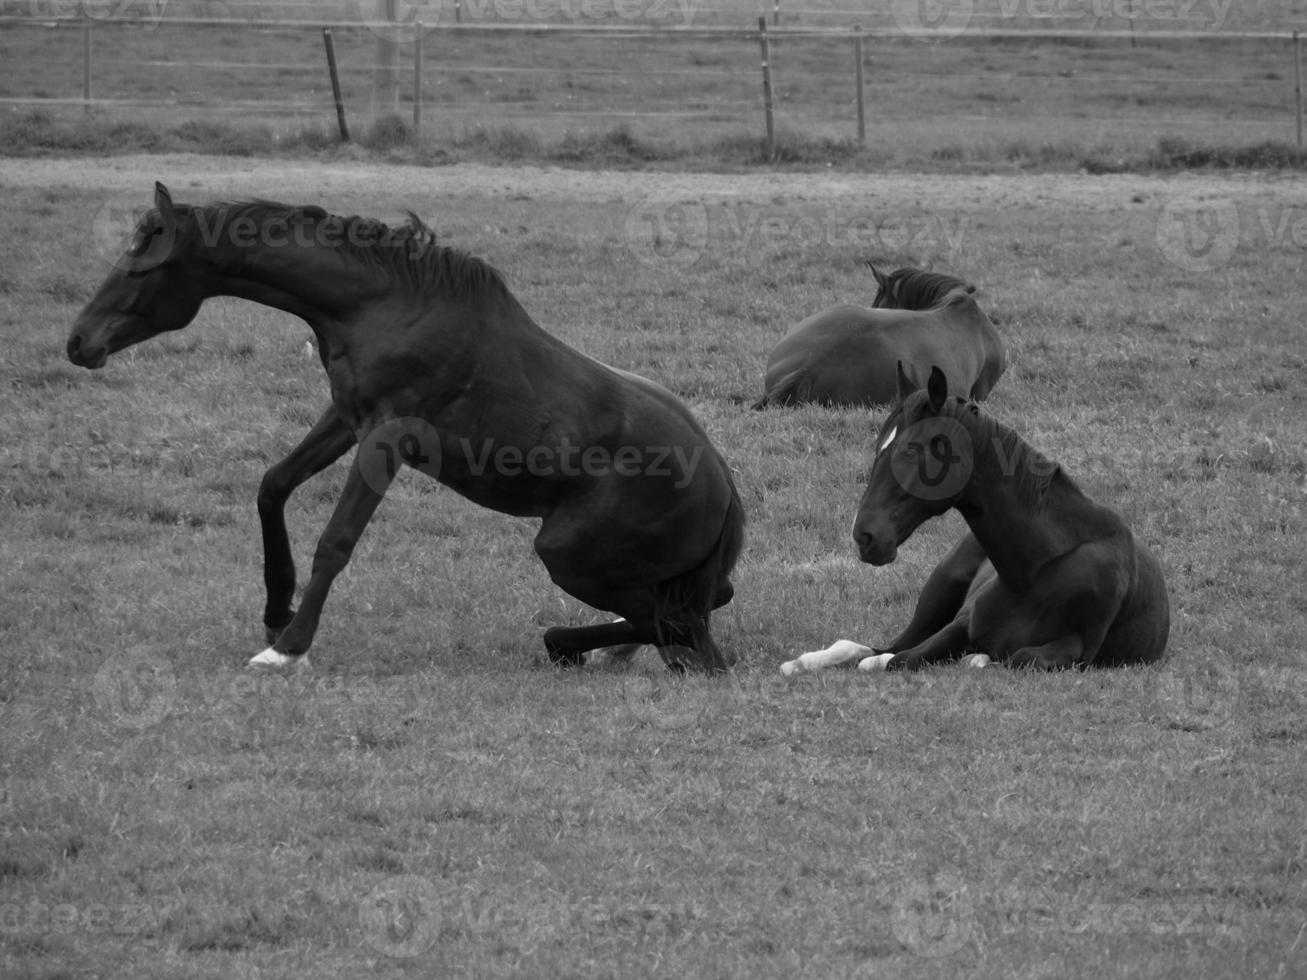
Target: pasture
{"type": "Point", "coordinates": [435, 800]}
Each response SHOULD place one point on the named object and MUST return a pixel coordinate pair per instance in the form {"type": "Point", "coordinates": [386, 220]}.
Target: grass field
{"type": "Point", "coordinates": [1098, 101]}
{"type": "Point", "coordinates": [434, 800]}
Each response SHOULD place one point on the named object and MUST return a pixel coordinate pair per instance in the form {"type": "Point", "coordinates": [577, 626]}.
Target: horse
{"type": "Point", "coordinates": [433, 363]}
{"type": "Point", "coordinates": [1044, 578]}
{"type": "Point", "coordinates": [846, 355]}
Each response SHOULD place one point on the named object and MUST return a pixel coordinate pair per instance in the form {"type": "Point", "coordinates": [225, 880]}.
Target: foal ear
{"type": "Point", "coordinates": [163, 204]}
{"type": "Point", "coordinates": [937, 388]}
{"type": "Point", "coordinates": [906, 385]}
{"type": "Point", "coordinates": [882, 279]}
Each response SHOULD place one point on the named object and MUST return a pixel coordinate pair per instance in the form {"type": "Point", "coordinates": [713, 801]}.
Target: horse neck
{"type": "Point", "coordinates": [292, 273]}
{"type": "Point", "coordinates": [1021, 516]}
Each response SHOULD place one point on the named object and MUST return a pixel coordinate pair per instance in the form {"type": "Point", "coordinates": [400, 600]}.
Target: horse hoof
{"type": "Point", "coordinates": [838, 654]}
{"type": "Point", "coordinates": [878, 662]}
{"type": "Point", "coordinates": [976, 660]}
{"type": "Point", "coordinates": [271, 659]}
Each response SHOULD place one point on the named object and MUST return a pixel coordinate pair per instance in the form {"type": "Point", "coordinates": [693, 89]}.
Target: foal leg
{"type": "Point", "coordinates": [948, 644]}
{"type": "Point", "coordinates": [942, 595]}
{"type": "Point", "coordinates": [568, 645]}
{"type": "Point", "coordinates": [326, 442]}
{"type": "Point", "coordinates": [1061, 654]}
{"type": "Point", "coordinates": [355, 508]}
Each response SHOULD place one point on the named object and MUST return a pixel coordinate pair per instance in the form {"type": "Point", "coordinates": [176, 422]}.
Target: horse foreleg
{"type": "Point", "coordinates": [355, 508]}
{"type": "Point", "coordinates": [568, 645]}
{"type": "Point", "coordinates": [1061, 654]}
{"type": "Point", "coordinates": [950, 643]}
{"type": "Point", "coordinates": [326, 442]}
{"type": "Point", "coordinates": [943, 594]}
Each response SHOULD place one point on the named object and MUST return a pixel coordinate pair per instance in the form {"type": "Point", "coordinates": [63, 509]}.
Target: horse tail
{"type": "Point", "coordinates": [683, 604]}
{"type": "Point", "coordinates": [789, 389]}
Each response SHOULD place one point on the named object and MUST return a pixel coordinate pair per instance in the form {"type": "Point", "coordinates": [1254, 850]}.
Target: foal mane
{"type": "Point", "coordinates": [1001, 453]}
{"type": "Point", "coordinates": [408, 254]}
{"type": "Point", "coordinates": [917, 289]}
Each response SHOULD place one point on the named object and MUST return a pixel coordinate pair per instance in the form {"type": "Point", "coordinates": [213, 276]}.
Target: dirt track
{"type": "Point", "coordinates": [196, 178]}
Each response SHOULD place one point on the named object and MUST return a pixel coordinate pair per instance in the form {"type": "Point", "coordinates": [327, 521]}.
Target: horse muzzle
{"type": "Point", "coordinates": [875, 549]}
{"type": "Point", "coordinates": [83, 354]}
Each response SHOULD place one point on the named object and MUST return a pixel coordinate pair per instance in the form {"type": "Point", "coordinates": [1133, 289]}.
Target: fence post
{"type": "Point", "coordinates": [86, 62]}
{"type": "Point", "coordinates": [335, 84]}
{"type": "Point", "coordinates": [385, 79]}
{"type": "Point", "coordinates": [766, 88]}
{"type": "Point", "coordinates": [417, 78]}
{"type": "Point", "coordinates": [776, 13]}
{"type": "Point", "coordinates": [1297, 89]}
{"type": "Point", "coordinates": [857, 81]}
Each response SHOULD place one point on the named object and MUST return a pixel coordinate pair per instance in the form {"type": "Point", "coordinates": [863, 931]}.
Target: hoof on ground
{"type": "Point", "coordinates": [977, 660]}
{"type": "Point", "coordinates": [273, 660]}
{"type": "Point", "coordinates": [837, 654]}
{"type": "Point", "coordinates": [879, 662]}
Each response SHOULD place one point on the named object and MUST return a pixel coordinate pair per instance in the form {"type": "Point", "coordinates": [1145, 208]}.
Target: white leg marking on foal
{"type": "Point", "coordinates": [976, 660]}
{"type": "Point", "coordinates": [878, 662]}
{"type": "Point", "coordinates": [839, 652]}
{"type": "Point", "coordinates": [271, 659]}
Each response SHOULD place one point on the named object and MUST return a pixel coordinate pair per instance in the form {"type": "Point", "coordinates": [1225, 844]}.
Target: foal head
{"type": "Point", "coordinates": [924, 460]}
{"type": "Point", "coordinates": [150, 289]}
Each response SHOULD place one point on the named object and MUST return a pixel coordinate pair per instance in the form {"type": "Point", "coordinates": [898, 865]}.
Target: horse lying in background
{"type": "Point", "coordinates": [847, 355]}
{"type": "Point", "coordinates": [1044, 578]}
{"type": "Point", "coordinates": [434, 364]}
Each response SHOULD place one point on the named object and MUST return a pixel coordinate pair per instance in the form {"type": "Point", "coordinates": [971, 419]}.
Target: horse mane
{"type": "Point", "coordinates": [1030, 470]}
{"type": "Point", "coordinates": [917, 289]}
{"type": "Point", "coordinates": [408, 254]}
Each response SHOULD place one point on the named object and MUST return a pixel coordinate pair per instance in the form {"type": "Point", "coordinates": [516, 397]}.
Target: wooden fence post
{"type": "Point", "coordinates": [335, 84]}
{"type": "Point", "coordinates": [766, 88]}
{"type": "Point", "coordinates": [86, 62]}
{"type": "Point", "coordinates": [857, 81]}
{"type": "Point", "coordinates": [1297, 89]}
{"type": "Point", "coordinates": [417, 78]}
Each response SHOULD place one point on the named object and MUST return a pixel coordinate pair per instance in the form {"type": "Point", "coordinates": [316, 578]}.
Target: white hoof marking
{"type": "Point", "coordinates": [879, 662]}
{"type": "Point", "coordinates": [271, 659]}
{"type": "Point", "coordinates": [976, 660]}
{"type": "Point", "coordinates": [839, 652]}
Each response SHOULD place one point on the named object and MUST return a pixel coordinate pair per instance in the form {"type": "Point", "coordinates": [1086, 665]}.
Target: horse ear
{"type": "Point", "coordinates": [937, 388]}
{"type": "Point", "coordinates": [906, 385]}
{"type": "Point", "coordinates": [882, 279]}
{"type": "Point", "coordinates": [163, 201]}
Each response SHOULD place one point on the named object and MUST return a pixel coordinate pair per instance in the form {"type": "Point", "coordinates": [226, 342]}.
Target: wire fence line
{"type": "Point", "coordinates": [488, 72]}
